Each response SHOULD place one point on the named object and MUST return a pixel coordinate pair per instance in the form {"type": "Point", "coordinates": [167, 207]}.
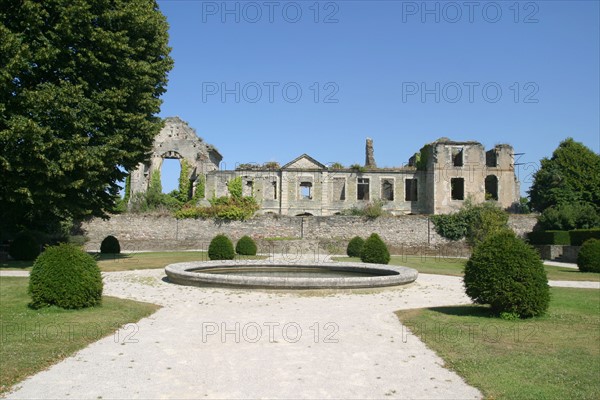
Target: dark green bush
{"type": "Point", "coordinates": [569, 216]}
{"type": "Point", "coordinates": [65, 276]}
{"type": "Point", "coordinates": [220, 248]}
{"type": "Point", "coordinates": [588, 259]}
{"type": "Point", "coordinates": [24, 247]}
{"type": "Point", "coordinates": [246, 246]}
{"type": "Point", "coordinates": [375, 251]}
{"type": "Point", "coordinates": [579, 236]}
{"type": "Point", "coordinates": [549, 237]}
{"type": "Point", "coordinates": [110, 245]}
{"type": "Point", "coordinates": [355, 246]}
{"type": "Point", "coordinates": [507, 274]}
{"type": "Point", "coordinates": [450, 226]}
{"type": "Point", "coordinates": [473, 222]}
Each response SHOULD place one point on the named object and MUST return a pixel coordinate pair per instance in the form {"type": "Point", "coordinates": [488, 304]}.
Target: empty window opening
{"type": "Point", "coordinates": [411, 189]}
{"type": "Point", "coordinates": [362, 189]}
{"type": "Point", "coordinates": [169, 175]}
{"type": "Point", "coordinates": [387, 190]}
{"type": "Point", "coordinates": [274, 188]}
{"type": "Point", "coordinates": [306, 190]}
{"type": "Point", "coordinates": [457, 188]}
{"type": "Point", "coordinates": [457, 157]}
{"type": "Point", "coordinates": [339, 189]}
{"type": "Point", "coordinates": [491, 158]}
{"type": "Point", "coordinates": [491, 187]}
{"type": "Point", "coordinates": [248, 189]}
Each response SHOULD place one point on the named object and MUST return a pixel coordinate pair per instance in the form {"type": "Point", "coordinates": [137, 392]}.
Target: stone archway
{"type": "Point", "coordinates": [176, 140]}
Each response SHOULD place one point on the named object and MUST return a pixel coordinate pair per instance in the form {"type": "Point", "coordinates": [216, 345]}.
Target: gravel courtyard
{"type": "Point", "coordinates": [223, 343]}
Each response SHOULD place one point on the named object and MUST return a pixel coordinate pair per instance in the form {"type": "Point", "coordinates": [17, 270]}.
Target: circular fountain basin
{"type": "Point", "coordinates": [288, 275]}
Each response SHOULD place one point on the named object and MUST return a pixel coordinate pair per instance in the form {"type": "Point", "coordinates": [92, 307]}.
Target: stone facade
{"type": "Point", "coordinates": [177, 140]}
{"type": "Point", "coordinates": [437, 179]}
{"type": "Point", "coordinates": [407, 234]}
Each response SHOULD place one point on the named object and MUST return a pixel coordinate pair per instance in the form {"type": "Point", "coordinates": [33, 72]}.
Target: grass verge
{"type": "Point", "coordinates": [455, 267]}
{"type": "Point", "coordinates": [131, 261]}
{"type": "Point", "coordinates": [552, 357]}
{"type": "Point", "coordinates": [33, 340]}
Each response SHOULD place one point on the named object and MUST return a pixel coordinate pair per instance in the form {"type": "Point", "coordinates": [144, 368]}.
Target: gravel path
{"type": "Point", "coordinates": [231, 344]}
{"type": "Point", "coordinates": [309, 345]}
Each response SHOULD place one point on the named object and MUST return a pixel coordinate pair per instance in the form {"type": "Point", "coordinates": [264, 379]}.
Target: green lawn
{"type": "Point", "coordinates": [130, 261]}
{"type": "Point", "coordinates": [32, 340]}
{"type": "Point", "coordinates": [455, 266]}
{"type": "Point", "coordinates": [552, 357]}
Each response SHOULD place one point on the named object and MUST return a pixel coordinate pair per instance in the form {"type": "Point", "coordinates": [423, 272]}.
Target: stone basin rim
{"type": "Point", "coordinates": [190, 273]}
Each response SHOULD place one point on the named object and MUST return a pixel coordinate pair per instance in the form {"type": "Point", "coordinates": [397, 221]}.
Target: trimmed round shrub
{"type": "Point", "coordinates": [220, 248]}
{"type": "Point", "coordinates": [24, 247]}
{"type": "Point", "coordinates": [588, 259]}
{"type": "Point", "coordinates": [65, 276]}
{"type": "Point", "coordinates": [509, 275]}
{"type": "Point", "coordinates": [355, 246]}
{"type": "Point", "coordinates": [110, 245]}
{"type": "Point", "coordinates": [375, 251]}
{"type": "Point", "coordinates": [246, 246]}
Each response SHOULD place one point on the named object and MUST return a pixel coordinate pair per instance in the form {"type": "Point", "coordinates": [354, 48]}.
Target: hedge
{"type": "Point", "coordinates": [221, 248]}
{"type": "Point", "coordinates": [507, 274]}
{"type": "Point", "coordinates": [588, 259]}
{"type": "Point", "coordinates": [246, 246]}
{"type": "Point", "coordinates": [549, 237]}
{"type": "Point", "coordinates": [578, 236]}
{"type": "Point", "coordinates": [65, 276]}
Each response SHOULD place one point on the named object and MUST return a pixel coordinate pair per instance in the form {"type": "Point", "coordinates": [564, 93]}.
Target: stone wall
{"type": "Point", "coordinates": [409, 234]}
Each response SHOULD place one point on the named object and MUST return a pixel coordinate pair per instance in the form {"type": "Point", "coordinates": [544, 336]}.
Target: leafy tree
{"type": "Point", "coordinates": [569, 216]}
{"type": "Point", "coordinates": [571, 175]}
{"type": "Point", "coordinates": [80, 85]}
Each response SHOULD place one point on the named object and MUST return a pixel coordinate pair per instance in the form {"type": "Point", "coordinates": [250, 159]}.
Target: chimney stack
{"type": "Point", "coordinates": [369, 157]}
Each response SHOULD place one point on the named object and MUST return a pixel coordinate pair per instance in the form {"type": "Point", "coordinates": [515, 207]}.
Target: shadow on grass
{"type": "Point", "coordinates": [13, 264]}
{"type": "Point", "coordinates": [108, 257]}
{"type": "Point", "coordinates": [16, 264]}
{"type": "Point", "coordinates": [465, 311]}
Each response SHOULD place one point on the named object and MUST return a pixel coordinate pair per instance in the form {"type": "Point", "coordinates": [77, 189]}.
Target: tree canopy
{"type": "Point", "coordinates": [80, 88]}
{"type": "Point", "coordinates": [571, 175]}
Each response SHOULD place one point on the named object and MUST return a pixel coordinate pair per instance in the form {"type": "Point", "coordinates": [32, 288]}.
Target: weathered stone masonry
{"type": "Point", "coordinates": [139, 232]}
{"type": "Point", "coordinates": [437, 179]}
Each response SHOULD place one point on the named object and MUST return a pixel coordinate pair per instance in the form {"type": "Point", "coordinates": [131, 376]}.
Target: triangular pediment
{"type": "Point", "coordinates": [304, 162]}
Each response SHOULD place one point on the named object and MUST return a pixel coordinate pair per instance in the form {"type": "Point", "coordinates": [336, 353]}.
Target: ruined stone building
{"type": "Point", "coordinates": [437, 179]}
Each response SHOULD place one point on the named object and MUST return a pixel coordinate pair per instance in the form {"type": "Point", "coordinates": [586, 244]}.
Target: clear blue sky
{"type": "Point", "coordinates": [389, 70]}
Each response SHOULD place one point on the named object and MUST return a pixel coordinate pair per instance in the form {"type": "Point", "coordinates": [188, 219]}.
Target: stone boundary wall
{"type": "Point", "coordinates": [408, 234]}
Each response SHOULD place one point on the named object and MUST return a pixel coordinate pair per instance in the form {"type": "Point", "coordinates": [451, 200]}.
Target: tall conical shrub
{"type": "Point", "coordinates": [375, 251]}
{"type": "Point", "coordinates": [509, 275]}
{"type": "Point", "coordinates": [221, 248]}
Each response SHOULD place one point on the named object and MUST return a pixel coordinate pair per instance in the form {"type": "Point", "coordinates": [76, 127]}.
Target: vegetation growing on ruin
{"type": "Point", "coordinates": [371, 210]}
{"type": "Point", "coordinates": [472, 222]}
